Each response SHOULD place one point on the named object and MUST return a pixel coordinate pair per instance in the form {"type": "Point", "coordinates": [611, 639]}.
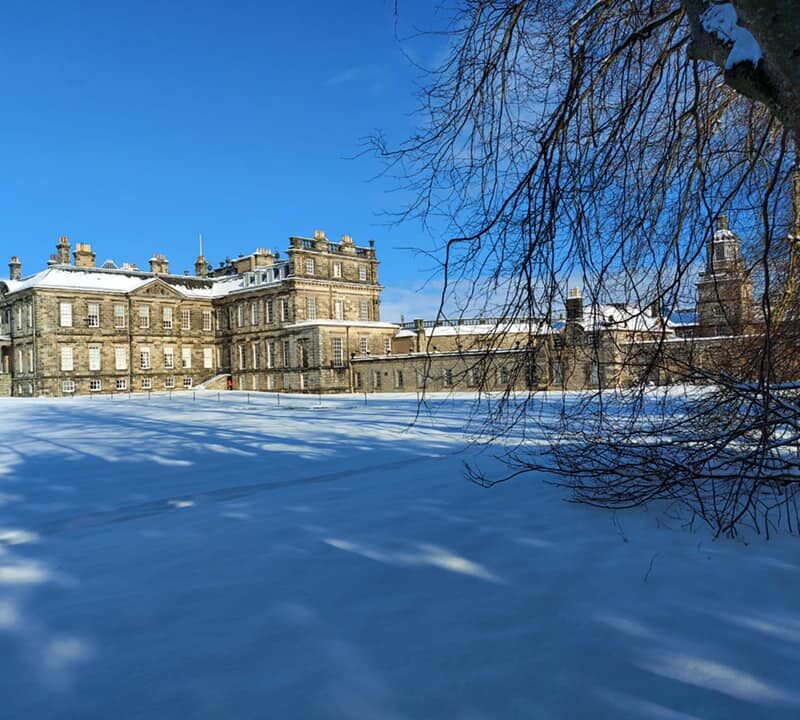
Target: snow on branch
{"type": "Point", "coordinates": [721, 21]}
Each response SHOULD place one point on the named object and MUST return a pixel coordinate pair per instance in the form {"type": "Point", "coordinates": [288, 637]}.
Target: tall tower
{"type": "Point", "coordinates": [724, 292]}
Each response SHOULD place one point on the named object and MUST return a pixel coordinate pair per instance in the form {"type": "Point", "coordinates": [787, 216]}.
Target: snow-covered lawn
{"type": "Point", "coordinates": [218, 559]}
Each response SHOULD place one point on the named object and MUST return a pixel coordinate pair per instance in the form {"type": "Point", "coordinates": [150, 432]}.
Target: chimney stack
{"type": "Point", "coordinates": [84, 257]}
{"type": "Point", "coordinates": [159, 265]}
{"type": "Point", "coordinates": [62, 250]}
{"type": "Point", "coordinates": [574, 305]}
{"type": "Point", "coordinates": [722, 223]}
{"type": "Point", "coordinates": [15, 268]}
{"type": "Point", "coordinates": [200, 266]}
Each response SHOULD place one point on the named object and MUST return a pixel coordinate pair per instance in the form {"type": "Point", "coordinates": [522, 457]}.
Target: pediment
{"type": "Point", "coordinates": [156, 288]}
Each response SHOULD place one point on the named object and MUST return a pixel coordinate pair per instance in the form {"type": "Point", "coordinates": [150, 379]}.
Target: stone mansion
{"type": "Point", "coordinates": [310, 322]}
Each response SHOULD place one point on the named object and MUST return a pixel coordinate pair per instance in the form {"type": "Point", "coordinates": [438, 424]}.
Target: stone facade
{"type": "Point", "coordinates": [311, 323]}
{"type": "Point", "coordinates": [264, 323]}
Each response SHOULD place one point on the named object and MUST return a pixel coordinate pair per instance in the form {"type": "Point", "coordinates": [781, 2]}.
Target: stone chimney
{"type": "Point", "coordinates": [263, 257]}
{"type": "Point", "coordinates": [62, 250]}
{"type": "Point", "coordinates": [84, 257]}
{"type": "Point", "coordinates": [574, 305]}
{"type": "Point", "coordinates": [159, 264]}
{"type": "Point", "coordinates": [15, 268]}
{"type": "Point", "coordinates": [419, 330]}
{"type": "Point", "coordinates": [320, 240]}
{"type": "Point", "coordinates": [200, 266]}
{"type": "Point", "coordinates": [722, 223]}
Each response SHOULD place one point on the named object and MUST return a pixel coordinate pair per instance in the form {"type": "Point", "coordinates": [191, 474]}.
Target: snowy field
{"type": "Point", "coordinates": [218, 559]}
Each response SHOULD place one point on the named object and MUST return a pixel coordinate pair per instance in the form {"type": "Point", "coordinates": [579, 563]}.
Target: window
{"type": "Point", "coordinates": [169, 358]}
{"type": "Point", "coordinates": [387, 346]}
{"type": "Point", "coordinates": [287, 385]}
{"type": "Point", "coordinates": [208, 358]}
{"type": "Point", "coordinates": [399, 380]}
{"type": "Point", "coordinates": [65, 314]}
{"type": "Point", "coordinates": [186, 319]}
{"type": "Point", "coordinates": [94, 358]}
{"type": "Point", "coordinates": [240, 315]}
{"type": "Point", "coordinates": [558, 373]}
{"type": "Point", "coordinates": [95, 385]}
{"type": "Point", "coordinates": [503, 376]}
{"type": "Point", "coordinates": [93, 315]}
{"type": "Point", "coordinates": [448, 377]}
{"type": "Point", "coordinates": [376, 379]}
{"type": "Point", "coordinates": [309, 266]}
{"type": "Point", "coordinates": [30, 313]}
{"type": "Point", "coordinates": [254, 313]}
{"type": "Point", "coordinates": [187, 383]}
{"type": "Point", "coordinates": [311, 308]}
{"type": "Point", "coordinates": [302, 355]}
{"type": "Point", "coordinates": [145, 362]}
{"type": "Point", "coordinates": [337, 351]}
{"type": "Point", "coordinates": [207, 320]}
{"type": "Point", "coordinates": [169, 382]}
{"type": "Point", "coordinates": [20, 363]}
{"type": "Point", "coordinates": [167, 318]}
{"type": "Point", "coordinates": [286, 358]}
{"type": "Point", "coordinates": [270, 382]}
{"type": "Point", "coordinates": [338, 309]}
{"type": "Point", "coordinates": [122, 384]}
{"type": "Point", "coordinates": [271, 355]}
{"type": "Point", "coordinates": [186, 357]}
{"type": "Point", "coordinates": [269, 310]}
{"type": "Point", "coordinates": [120, 358]}
{"type": "Point", "coordinates": [357, 380]}
{"type": "Point", "coordinates": [147, 383]}
{"type": "Point", "coordinates": [144, 316]}
{"type": "Point", "coordinates": [363, 345]}
{"type": "Point", "coordinates": [19, 316]}
{"type": "Point", "coordinates": [67, 359]}
{"type": "Point", "coordinates": [68, 387]}
{"type": "Point", "coordinates": [31, 366]}
{"type": "Point", "coordinates": [230, 316]}
{"type": "Point", "coordinates": [337, 270]}
{"type": "Point", "coordinates": [363, 310]}
{"type": "Point", "coordinates": [362, 273]}
{"type": "Point", "coordinates": [256, 355]}
{"type": "Point", "coordinates": [119, 317]}
{"type": "Point", "coordinates": [284, 310]}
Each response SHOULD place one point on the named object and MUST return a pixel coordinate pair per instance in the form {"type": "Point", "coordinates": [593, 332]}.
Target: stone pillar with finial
{"type": "Point", "coordinates": [15, 268]}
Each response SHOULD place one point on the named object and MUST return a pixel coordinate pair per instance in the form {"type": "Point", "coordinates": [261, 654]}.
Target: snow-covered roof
{"type": "Point", "coordinates": [621, 317]}
{"type": "Point", "coordinates": [116, 281]}
{"type": "Point", "coordinates": [504, 328]}
{"type": "Point", "coordinates": [377, 324]}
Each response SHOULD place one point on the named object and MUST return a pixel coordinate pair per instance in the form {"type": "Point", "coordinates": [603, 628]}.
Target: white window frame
{"type": "Point", "coordinates": [387, 346]}
{"type": "Point", "coordinates": [120, 358]}
{"type": "Point", "coordinates": [254, 312]}
{"type": "Point", "coordinates": [144, 317]}
{"type": "Point", "coordinates": [122, 384]}
{"type": "Point", "coordinates": [95, 358]}
{"type": "Point", "coordinates": [145, 358]}
{"type": "Point", "coordinates": [119, 317]}
{"type": "Point", "coordinates": [208, 358]}
{"type": "Point", "coordinates": [169, 382]}
{"type": "Point", "coordinates": [187, 382]}
{"type": "Point", "coordinates": [284, 310]}
{"type": "Point", "coordinates": [363, 310]}
{"type": "Point", "coordinates": [186, 318]}
{"type": "Point", "coordinates": [287, 349]}
{"type": "Point", "coordinates": [309, 266]}
{"type": "Point", "coordinates": [338, 309]}
{"type": "Point", "coordinates": [362, 273]}
{"type": "Point", "coordinates": [337, 352]}
{"type": "Point", "coordinates": [363, 346]}
{"type": "Point", "coordinates": [270, 311]}
{"type": "Point", "coordinates": [167, 318]}
{"type": "Point", "coordinates": [337, 270]}
{"type": "Point", "coordinates": [67, 358]}
{"type": "Point", "coordinates": [68, 387]}
{"type": "Point", "coordinates": [311, 308]}
{"type": "Point", "coordinates": [95, 385]}
{"type": "Point", "coordinates": [93, 315]}
{"type": "Point", "coordinates": [186, 358]}
{"type": "Point", "coordinates": [169, 358]}
{"type": "Point", "coordinates": [147, 383]}
{"type": "Point", "coordinates": [65, 314]}
{"type": "Point", "coordinates": [207, 321]}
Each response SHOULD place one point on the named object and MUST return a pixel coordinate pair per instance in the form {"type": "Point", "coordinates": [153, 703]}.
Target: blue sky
{"type": "Point", "coordinates": [136, 126]}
